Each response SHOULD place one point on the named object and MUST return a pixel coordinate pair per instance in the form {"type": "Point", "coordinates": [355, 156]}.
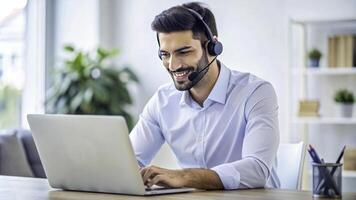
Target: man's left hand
{"type": "Point", "coordinates": [154, 175]}
{"type": "Point", "coordinates": [194, 178]}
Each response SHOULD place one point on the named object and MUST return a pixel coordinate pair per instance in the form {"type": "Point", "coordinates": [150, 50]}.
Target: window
{"type": "Point", "coordinates": [12, 76]}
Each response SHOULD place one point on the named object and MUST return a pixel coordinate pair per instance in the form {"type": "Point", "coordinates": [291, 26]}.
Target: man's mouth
{"type": "Point", "coordinates": [181, 75]}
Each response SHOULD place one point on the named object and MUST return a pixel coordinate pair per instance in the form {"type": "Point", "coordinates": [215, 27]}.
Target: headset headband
{"type": "Point", "coordinates": [198, 16]}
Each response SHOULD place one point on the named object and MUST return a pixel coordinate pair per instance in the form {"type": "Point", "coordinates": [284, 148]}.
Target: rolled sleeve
{"type": "Point", "coordinates": [228, 175]}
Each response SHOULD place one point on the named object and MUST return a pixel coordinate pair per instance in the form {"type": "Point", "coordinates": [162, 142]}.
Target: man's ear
{"type": "Point", "coordinates": [205, 45]}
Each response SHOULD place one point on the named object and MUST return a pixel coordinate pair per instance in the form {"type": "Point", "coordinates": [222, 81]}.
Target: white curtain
{"type": "Point", "coordinates": [34, 90]}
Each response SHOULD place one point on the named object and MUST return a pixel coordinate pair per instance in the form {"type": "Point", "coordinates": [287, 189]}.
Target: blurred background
{"type": "Point", "coordinates": [100, 57]}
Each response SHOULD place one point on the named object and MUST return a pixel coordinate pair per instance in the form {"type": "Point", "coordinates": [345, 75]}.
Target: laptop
{"type": "Point", "coordinates": [89, 153]}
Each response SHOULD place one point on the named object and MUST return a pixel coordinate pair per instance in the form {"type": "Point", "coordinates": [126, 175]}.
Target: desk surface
{"type": "Point", "coordinates": [33, 188]}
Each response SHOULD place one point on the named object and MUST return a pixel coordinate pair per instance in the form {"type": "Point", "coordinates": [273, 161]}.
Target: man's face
{"type": "Point", "coordinates": [182, 55]}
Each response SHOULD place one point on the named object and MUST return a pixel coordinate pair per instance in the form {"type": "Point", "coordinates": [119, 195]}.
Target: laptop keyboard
{"type": "Point", "coordinates": [157, 188]}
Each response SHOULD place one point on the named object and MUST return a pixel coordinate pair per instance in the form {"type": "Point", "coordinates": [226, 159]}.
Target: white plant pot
{"type": "Point", "coordinates": [345, 109]}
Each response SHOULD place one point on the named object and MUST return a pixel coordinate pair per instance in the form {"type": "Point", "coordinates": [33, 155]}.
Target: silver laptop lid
{"type": "Point", "coordinates": [87, 153]}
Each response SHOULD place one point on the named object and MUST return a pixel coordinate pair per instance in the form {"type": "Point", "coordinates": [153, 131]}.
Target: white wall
{"type": "Point", "coordinates": [76, 22]}
{"type": "Point", "coordinates": [254, 34]}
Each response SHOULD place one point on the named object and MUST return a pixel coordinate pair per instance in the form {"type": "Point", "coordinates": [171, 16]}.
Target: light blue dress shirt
{"type": "Point", "coordinates": [235, 133]}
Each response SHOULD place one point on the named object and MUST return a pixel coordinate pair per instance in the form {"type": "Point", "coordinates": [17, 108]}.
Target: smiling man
{"type": "Point", "coordinates": [221, 124]}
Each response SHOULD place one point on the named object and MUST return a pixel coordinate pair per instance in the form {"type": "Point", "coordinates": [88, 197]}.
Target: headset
{"type": "Point", "coordinates": [214, 47]}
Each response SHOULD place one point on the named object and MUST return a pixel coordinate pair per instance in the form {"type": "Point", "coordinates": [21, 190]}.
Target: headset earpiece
{"type": "Point", "coordinates": [159, 54]}
{"type": "Point", "coordinates": [159, 44]}
{"type": "Point", "coordinates": [214, 47]}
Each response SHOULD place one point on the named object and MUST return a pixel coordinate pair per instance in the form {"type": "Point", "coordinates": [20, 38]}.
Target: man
{"type": "Point", "coordinates": [221, 124]}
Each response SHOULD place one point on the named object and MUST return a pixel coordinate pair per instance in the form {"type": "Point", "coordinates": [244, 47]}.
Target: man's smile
{"type": "Point", "coordinates": [182, 74]}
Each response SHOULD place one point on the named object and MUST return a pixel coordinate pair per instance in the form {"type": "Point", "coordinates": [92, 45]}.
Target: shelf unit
{"type": "Point", "coordinates": [349, 174]}
{"type": "Point", "coordinates": [324, 70]}
{"type": "Point", "coordinates": [345, 174]}
{"type": "Point", "coordinates": [312, 82]}
{"type": "Point", "coordinates": [325, 120]}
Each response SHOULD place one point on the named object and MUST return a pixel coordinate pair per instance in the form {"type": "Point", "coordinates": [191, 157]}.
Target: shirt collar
{"type": "Point", "coordinates": [185, 99]}
{"type": "Point", "coordinates": [219, 91]}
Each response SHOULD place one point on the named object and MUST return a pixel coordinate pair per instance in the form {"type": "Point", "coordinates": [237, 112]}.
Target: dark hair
{"type": "Point", "coordinates": [178, 18]}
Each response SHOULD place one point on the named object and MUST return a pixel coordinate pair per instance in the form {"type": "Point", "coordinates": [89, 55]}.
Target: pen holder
{"type": "Point", "coordinates": [327, 180]}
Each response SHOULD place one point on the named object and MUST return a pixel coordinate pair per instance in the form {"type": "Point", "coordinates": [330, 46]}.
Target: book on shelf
{"type": "Point", "coordinates": [309, 108]}
{"type": "Point", "coordinates": [332, 51]}
{"type": "Point", "coordinates": [350, 50]}
{"type": "Point", "coordinates": [342, 51]}
{"type": "Point", "coordinates": [350, 159]}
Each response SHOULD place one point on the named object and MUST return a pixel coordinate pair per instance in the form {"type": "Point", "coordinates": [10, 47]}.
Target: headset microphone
{"type": "Point", "coordinates": [194, 75]}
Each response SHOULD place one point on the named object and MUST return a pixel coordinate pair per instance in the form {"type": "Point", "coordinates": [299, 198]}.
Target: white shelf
{"type": "Point", "coordinates": [345, 173]}
{"type": "Point", "coordinates": [306, 21]}
{"type": "Point", "coordinates": [349, 174]}
{"type": "Point", "coordinates": [324, 120]}
{"type": "Point", "coordinates": [326, 71]}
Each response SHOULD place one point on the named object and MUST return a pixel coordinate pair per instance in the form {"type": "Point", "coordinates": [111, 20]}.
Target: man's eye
{"type": "Point", "coordinates": [165, 55]}
{"type": "Point", "coordinates": [184, 52]}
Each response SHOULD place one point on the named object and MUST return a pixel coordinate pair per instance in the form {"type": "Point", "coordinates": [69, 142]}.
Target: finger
{"type": "Point", "coordinates": [150, 173]}
{"type": "Point", "coordinates": [157, 180]}
{"type": "Point", "coordinates": [143, 171]}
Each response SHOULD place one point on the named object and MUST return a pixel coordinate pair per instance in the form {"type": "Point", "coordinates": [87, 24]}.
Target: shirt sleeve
{"type": "Point", "coordinates": [260, 143]}
{"type": "Point", "coordinates": [146, 137]}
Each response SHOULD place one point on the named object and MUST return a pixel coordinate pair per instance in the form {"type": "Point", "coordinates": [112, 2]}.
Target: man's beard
{"type": "Point", "coordinates": [187, 84]}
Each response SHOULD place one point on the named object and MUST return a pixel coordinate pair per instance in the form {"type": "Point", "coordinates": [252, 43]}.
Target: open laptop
{"type": "Point", "coordinates": [89, 153]}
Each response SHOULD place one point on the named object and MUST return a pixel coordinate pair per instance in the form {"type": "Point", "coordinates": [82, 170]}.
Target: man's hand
{"type": "Point", "coordinates": [163, 177]}
{"type": "Point", "coordinates": [195, 178]}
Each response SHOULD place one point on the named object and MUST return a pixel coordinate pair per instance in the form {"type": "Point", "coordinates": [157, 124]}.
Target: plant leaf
{"type": "Point", "coordinates": [132, 75]}
{"type": "Point", "coordinates": [69, 48]}
{"type": "Point", "coordinates": [76, 101]}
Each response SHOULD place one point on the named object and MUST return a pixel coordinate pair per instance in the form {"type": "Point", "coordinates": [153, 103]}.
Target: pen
{"type": "Point", "coordinates": [338, 160]}
{"type": "Point", "coordinates": [316, 156]}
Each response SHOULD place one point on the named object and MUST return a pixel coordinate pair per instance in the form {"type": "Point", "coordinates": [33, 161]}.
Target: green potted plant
{"type": "Point", "coordinates": [10, 98]}
{"type": "Point", "coordinates": [89, 84]}
{"type": "Point", "coordinates": [345, 100]}
{"type": "Point", "coordinates": [314, 57]}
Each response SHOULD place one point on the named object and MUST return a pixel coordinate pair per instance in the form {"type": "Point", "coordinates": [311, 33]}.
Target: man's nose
{"type": "Point", "coordinates": [174, 63]}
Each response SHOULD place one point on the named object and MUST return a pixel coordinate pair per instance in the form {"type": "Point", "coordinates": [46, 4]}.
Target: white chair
{"type": "Point", "coordinates": [290, 159]}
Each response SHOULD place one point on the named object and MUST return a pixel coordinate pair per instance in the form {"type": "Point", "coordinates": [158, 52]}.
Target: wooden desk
{"type": "Point", "coordinates": [38, 189]}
